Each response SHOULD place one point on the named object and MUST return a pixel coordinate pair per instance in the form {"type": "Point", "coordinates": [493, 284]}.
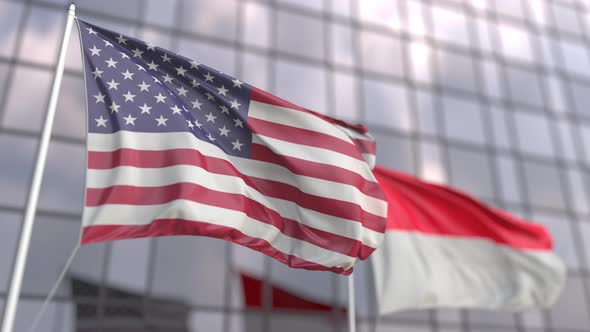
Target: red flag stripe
{"type": "Point", "coordinates": [432, 209]}
{"type": "Point", "coordinates": [303, 136]}
{"type": "Point", "coordinates": [166, 227]}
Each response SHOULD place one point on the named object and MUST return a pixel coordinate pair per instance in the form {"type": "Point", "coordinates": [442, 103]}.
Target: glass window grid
{"type": "Point", "coordinates": [414, 137]}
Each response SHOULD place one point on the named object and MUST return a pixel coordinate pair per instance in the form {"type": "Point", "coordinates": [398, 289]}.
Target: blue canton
{"type": "Point", "coordinates": [137, 86]}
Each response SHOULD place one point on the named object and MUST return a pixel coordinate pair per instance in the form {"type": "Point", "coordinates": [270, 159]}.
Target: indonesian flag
{"type": "Point", "coordinates": [445, 249]}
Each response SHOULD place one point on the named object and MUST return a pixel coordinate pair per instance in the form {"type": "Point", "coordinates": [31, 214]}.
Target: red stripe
{"type": "Point", "coordinates": [267, 98]}
{"type": "Point", "coordinates": [166, 227]}
{"type": "Point", "coordinates": [432, 209]}
{"type": "Point", "coordinates": [130, 195]}
{"type": "Point", "coordinates": [303, 136]}
{"type": "Point", "coordinates": [366, 146]}
{"type": "Point", "coordinates": [317, 170]}
{"type": "Point", "coordinates": [165, 158]}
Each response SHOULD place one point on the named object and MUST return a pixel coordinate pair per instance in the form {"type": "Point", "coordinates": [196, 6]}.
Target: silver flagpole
{"type": "Point", "coordinates": [351, 306]}
{"type": "Point", "coordinates": [29, 218]}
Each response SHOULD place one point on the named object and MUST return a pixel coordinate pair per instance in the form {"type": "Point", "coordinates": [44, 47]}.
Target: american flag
{"type": "Point", "coordinates": [178, 148]}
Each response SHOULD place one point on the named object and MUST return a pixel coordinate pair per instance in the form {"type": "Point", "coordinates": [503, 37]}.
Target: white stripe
{"type": "Point", "coordinates": [414, 270]}
{"type": "Point", "coordinates": [263, 170]}
{"type": "Point", "coordinates": [133, 215]}
{"type": "Point", "coordinates": [315, 154]}
{"type": "Point", "coordinates": [294, 118]}
{"type": "Point", "coordinates": [157, 177]}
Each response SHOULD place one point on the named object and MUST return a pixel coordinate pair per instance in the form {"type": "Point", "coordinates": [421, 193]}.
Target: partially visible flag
{"type": "Point", "coordinates": [178, 148]}
{"type": "Point", "coordinates": [445, 249]}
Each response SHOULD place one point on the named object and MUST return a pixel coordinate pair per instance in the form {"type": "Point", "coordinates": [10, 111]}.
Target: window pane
{"type": "Point", "coordinates": [396, 153]}
{"type": "Point", "coordinates": [302, 85]}
{"type": "Point", "coordinates": [255, 70]}
{"type": "Point", "coordinates": [125, 9]}
{"type": "Point", "coordinates": [21, 110]}
{"type": "Point", "coordinates": [533, 134]}
{"type": "Point", "coordinates": [345, 97]}
{"type": "Point", "coordinates": [500, 127]}
{"type": "Point", "coordinates": [128, 264]}
{"type": "Point", "coordinates": [543, 185]}
{"type": "Point", "coordinates": [383, 12]}
{"type": "Point", "coordinates": [470, 172]}
{"type": "Point", "coordinates": [16, 170]}
{"type": "Point", "coordinates": [577, 186]}
{"type": "Point", "coordinates": [294, 33]}
{"type": "Point", "coordinates": [492, 85]}
{"type": "Point", "coordinates": [450, 26]}
{"type": "Point", "coordinates": [566, 19]}
{"type": "Point", "coordinates": [512, 8]}
{"type": "Point", "coordinates": [311, 4]}
{"type": "Point", "coordinates": [562, 233]}
{"type": "Point", "coordinates": [427, 120]}
{"type": "Point", "coordinates": [217, 57]}
{"type": "Point", "coordinates": [571, 309]}
{"type": "Point", "coordinates": [342, 50]}
{"type": "Point", "coordinates": [515, 42]}
{"type": "Point", "coordinates": [524, 87]}
{"type": "Point", "coordinates": [420, 55]}
{"type": "Point", "coordinates": [463, 120]}
{"type": "Point", "coordinates": [386, 104]}
{"type": "Point", "coordinates": [456, 70]}
{"type": "Point", "coordinates": [381, 54]}
{"type": "Point", "coordinates": [212, 18]}
{"type": "Point", "coordinates": [71, 114]}
{"type": "Point", "coordinates": [576, 60]}
{"type": "Point", "coordinates": [508, 179]}
{"type": "Point", "coordinates": [581, 98]}
{"type": "Point", "coordinates": [256, 24]}
{"type": "Point", "coordinates": [159, 12]}
{"type": "Point", "coordinates": [432, 167]}
{"type": "Point", "coordinates": [11, 14]}
{"type": "Point", "coordinates": [43, 33]}
{"type": "Point", "coordinates": [10, 224]}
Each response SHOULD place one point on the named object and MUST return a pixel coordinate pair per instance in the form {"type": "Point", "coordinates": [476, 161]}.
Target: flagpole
{"type": "Point", "coordinates": [351, 306]}
{"type": "Point", "coordinates": [33, 197]}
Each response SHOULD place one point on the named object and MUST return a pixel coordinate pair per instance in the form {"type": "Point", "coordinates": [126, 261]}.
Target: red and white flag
{"type": "Point", "coordinates": [179, 148]}
{"type": "Point", "coordinates": [444, 249]}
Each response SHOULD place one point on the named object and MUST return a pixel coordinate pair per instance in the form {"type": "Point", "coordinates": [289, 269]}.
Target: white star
{"type": "Point", "coordinates": [130, 120]}
{"type": "Point", "coordinates": [237, 83]}
{"type": "Point", "coordinates": [239, 123]}
{"type": "Point", "coordinates": [99, 98]}
{"type": "Point", "coordinates": [165, 58]}
{"type": "Point", "coordinates": [121, 40]}
{"type": "Point", "coordinates": [145, 109]}
{"type": "Point", "coordinates": [137, 53]}
{"type": "Point", "coordinates": [101, 122]}
{"type": "Point", "coordinates": [182, 91]}
{"type": "Point", "coordinates": [211, 117]}
{"type": "Point", "coordinates": [175, 109]}
{"type": "Point", "coordinates": [198, 124]}
{"type": "Point", "coordinates": [180, 71]}
{"type": "Point", "coordinates": [150, 46]}
{"type": "Point", "coordinates": [195, 83]}
{"type": "Point", "coordinates": [143, 86]}
{"type": "Point", "coordinates": [208, 78]}
{"type": "Point", "coordinates": [224, 109]}
{"type": "Point", "coordinates": [107, 43]}
{"type": "Point", "coordinates": [140, 67]}
{"type": "Point", "coordinates": [224, 131]}
{"type": "Point", "coordinates": [196, 103]}
{"type": "Point", "coordinates": [194, 64]}
{"type": "Point", "coordinates": [160, 98]}
{"type": "Point", "coordinates": [114, 107]}
{"type": "Point", "coordinates": [235, 104]}
{"type": "Point", "coordinates": [129, 97]}
{"type": "Point", "coordinates": [153, 65]}
{"type": "Point", "coordinates": [124, 55]}
{"type": "Point", "coordinates": [111, 63]}
{"type": "Point", "coordinates": [222, 91]}
{"type": "Point", "coordinates": [91, 32]}
{"type": "Point", "coordinates": [190, 124]}
{"type": "Point", "coordinates": [209, 96]}
{"type": "Point", "coordinates": [128, 75]}
{"type": "Point", "coordinates": [95, 50]}
{"type": "Point", "coordinates": [161, 121]}
{"type": "Point", "coordinates": [237, 145]}
{"type": "Point", "coordinates": [210, 137]}
{"type": "Point", "coordinates": [113, 85]}
{"type": "Point", "coordinates": [97, 73]}
{"type": "Point", "coordinates": [167, 78]}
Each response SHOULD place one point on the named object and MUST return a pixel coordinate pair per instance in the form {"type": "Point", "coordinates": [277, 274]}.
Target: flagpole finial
{"type": "Point", "coordinates": [72, 9]}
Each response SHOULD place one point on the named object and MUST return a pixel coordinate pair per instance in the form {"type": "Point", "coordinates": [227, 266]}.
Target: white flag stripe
{"type": "Point", "coordinates": [318, 155]}
{"type": "Point", "coordinates": [354, 134]}
{"type": "Point", "coordinates": [294, 118]}
{"type": "Point", "coordinates": [491, 276]}
{"type": "Point", "coordinates": [158, 177]}
{"type": "Point", "coordinates": [263, 170]}
{"type": "Point", "coordinates": [130, 215]}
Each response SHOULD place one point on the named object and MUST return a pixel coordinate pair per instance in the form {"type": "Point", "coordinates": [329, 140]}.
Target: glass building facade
{"type": "Point", "coordinates": [489, 96]}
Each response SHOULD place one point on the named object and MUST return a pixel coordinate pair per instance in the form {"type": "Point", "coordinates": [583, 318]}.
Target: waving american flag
{"type": "Point", "coordinates": [178, 148]}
